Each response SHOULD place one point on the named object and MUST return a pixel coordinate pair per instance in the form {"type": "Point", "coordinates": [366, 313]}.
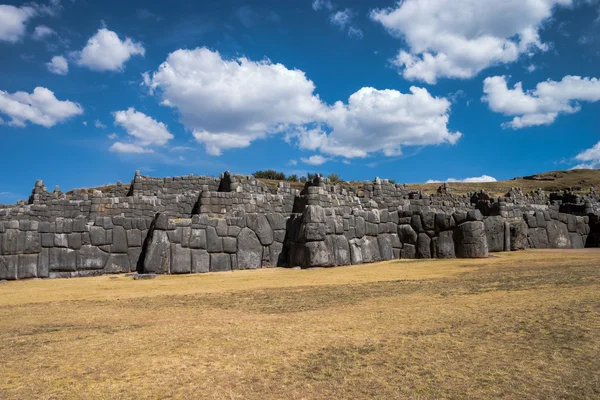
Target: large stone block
{"type": "Point", "coordinates": [134, 238]}
{"type": "Point", "coordinates": [28, 265]}
{"type": "Point", "coordinates": [275, 255]}
{"type": "Point", "coordinates": [444, 245]}
{"type": "Point", "coordinates": [91, 258]}
{"type": "Point", "coordinates": [428, 221]}
{"type": "Point", "coordinates": [10, 241]}
{"type": "Point", "coordinates": [9, 267]}
{"type": "Point", "coordinates": [423, 246]}
{"type": "Point", "coordinates": [43, 263]}
{"type": "Point", "coordinates": [494, 231]}
{"type": "Point", "coordinates": [370, 249]}
{"type": "Point", "coordinates": [409, 251]}
{"type": "Point", "coordinates": [470, 240]}
{"type": "Point", "coordinates": [74, 240]}
{"type": "Point", "coordinates": [444, 222]}
{"type": "Point", "coordinates": [134, 254]}
{"type": "Point", "coordinates": [355, 252]}
{"type": "Point", "coordinates": [200, 261]}
{"type": "Point", "coordinates": [558, 235]}
{"type": "Point", "coordinates": [214, 243]}
{"type": "Point", "coordinates": [276, 220]}
{"type": "Point", "coordinates": [220, 262]}
{"type": "Point", "coordinates": [249, 250]}
{"type": "Point", "coordinates": [158, 254]}
{"type": "Point", "coordinates": [117, 263]}
{"type": "Point", "coordinates": [385, 248]}
{"type": "Point", "coordinates": [314, 214]}
{"type": "Point", "coordinates": [229, 245]}
{"type": "Point", "coordinates": [32, 243]}
{"type": "Point", "coordinates": [198, 239]}
{"type": "Point", "coordinates": [318, 255]}
{"type": "Point", "coordinates": [538, 238]}
{"type": "Point", "coordinates": [119, 240]}
{"type": "Point", "coordinates": [311, 231]}
{"type": "Point", "coordinates": [98, 236]}
{"type": "Point", "coordinates": [62, 259]}
{"type": "Point", "coordinates": [341, 250]}
{"type": "Point", "coordinates": [181, 259]}
{"type": "Point", "coordinates": [360, 228]}
{"type": "Point", "coordinates": [518, 235]}
{"type": "Point", "coordinates": [407, 234]}
{"type": "Point", "coordinates": [260, 225]}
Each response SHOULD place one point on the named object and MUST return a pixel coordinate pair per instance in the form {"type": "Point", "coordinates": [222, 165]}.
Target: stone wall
{"type": "Point", "coordinates": [202, 224]}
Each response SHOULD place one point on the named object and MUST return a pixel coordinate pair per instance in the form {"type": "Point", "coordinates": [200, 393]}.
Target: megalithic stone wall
{"type": "Point", "coordinates": [201, 224]}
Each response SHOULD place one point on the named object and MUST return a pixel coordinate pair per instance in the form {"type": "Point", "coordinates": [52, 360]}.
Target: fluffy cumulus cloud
{"type": "Point", "coordinates": [477, 179]}
{"type": "Point", "coordinates": [105, 51]}
{"type": "Point", "coordinates": [322, 5]}
{"type": "Point", "coordinates": [380, 121]}
{"type": "Point", "coordinates": [58, 65]}
{"type": "Point", "coordinates": [40, 107]}
{"type": "Point", "coordinates": [143, 130]}
{"type": "Point", "coordinates": [314, 160]}
{"type": "Point", "coordinates": [542, 105]}
{"type": "Point", "coordinates": [445, 40]}
{"type": "Point", "coordinates": [590, 158]}
{"type": "Point", "coordinates": [13, 22]}
{"type": "Point", "coordinates": [228, 104]}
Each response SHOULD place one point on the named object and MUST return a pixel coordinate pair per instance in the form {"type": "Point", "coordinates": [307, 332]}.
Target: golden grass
{"type": "Point", "coordinates": [518, 325]}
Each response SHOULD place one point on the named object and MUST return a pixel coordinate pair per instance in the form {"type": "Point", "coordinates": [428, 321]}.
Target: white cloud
{"type": "Point", "coordinates": [58, 65]}
{"type": "Point", "coordinates": [112, 136]}
{"type": "Point", "coordinates": [13, 22]}
{"type": "Point", "coordinates": [322, 4]}
{"type": "Point", "coordinates": [106, 52]}
{"type": "Point", "coordinates": [314, 160]}
{"type": "Point", "coordinates": [589, 157]}
{"type": "Point", "coordinates": [380, 121]}
{"type": "Point", "coordinates": [531, 68]}
{"type": "Point", "coordinates": [99, 124]}
{"type": "Point", "coordinates": [40, 107]}
{"type": "Point", "coordinates": [120, 147]}
{"type": "Point", "coordinates": [458, 41]}
{"type": "Point", "coordinates": [478, 179]}
{"type": "Point", "coordinates": [540, 106]}
{"type": "Point", "coordinates": [230, 103]}
{"type": "Point", "coordinates": [293, 162]}
{"type": "Point", "coordinates": [42, 31]}
{"type": "Point", "coordinates": [84, 123]}
{"type": "Point", "coordinates": [145, 130]}
{"type": "Point", "coordinates": [354, 32]}
{"type": "Point", "coordinates": [341, 18]}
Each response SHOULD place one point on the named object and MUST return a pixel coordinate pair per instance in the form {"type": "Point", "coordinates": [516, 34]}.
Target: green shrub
{"type": "Point", "coordinates": [270, 174]}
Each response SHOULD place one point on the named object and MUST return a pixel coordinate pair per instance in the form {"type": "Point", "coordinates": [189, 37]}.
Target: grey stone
{"type": "Point", "coordinates": [407, 234]}
{"type": "Point", "coordinates": [117, 263]}
{"type": "Point", "coordinates": [275, 251]}
{"type": "Point", "coordinates": [541, 219]}
{"type": "Point", "coordinates": [9, 267]}
{"type": "Point", "coordinates": [444, 222]}
{"type": "Point", "coordinates": [200, 261]}
{"type": "Point", "coordinates": [355, 252]}
{"type": "Point", "coordinates": [341, 250]}
{"type": "Point", "coordinates": [214, 243]}
{"type": "Point", "coordinates": [134, 254]}
{"type": "Point", "coordinates": [259, 224]}
{"type": "Point", "coordinates": [43, 263]}
{"type": "Point", "coordinates": [220, 262]}
{"type": "Point", "coordinates": [198, 239]}
{"type": "Point", "coordinates": [61, 240]}
{"type": "Point", "coordinates": [314, 231]}
{"type": "Point", "coordinates": [538, 238]}
{"type": "Point", "coordinates": [181, 259]}
{"type": "Point", "coordinates": [119, 240]}
{"type": "Point", "coordinates": [531, 220]}
{"type": "Point", "coordinates": [158, 254]}
{"type": "Point", "coordinates": [385, 248]}
{"type": "Point", "coordinates": [134, 238]}
{"type": "Point", "coordinates": [444, 245]}
{"type": "Point", "coordinates": [459, 217]}
{"type": "Point", "coordinates": [416, 223]}
{"type": "Point", "coordinates": [61, 259]}
{"type": "Point", "coordinates": [318, 255]}
{"type": "Point", "coordinates": [276, 220]}
{"type": "Point", "coordinates": [229, 245]}
{"type": "Point", "coordinates": [221, 227]}
{"type": "Point", "coordinates": [233, 230]}
{"type": "Point", "coordinates": [32, 243]}
{"type": "Point", "coordinates": [249, 250]}
{"type": "Point", "coordinates": [428, 221]}
{"type": "Point", "coordinates": [518, 235]}
{"type": "Point", "coordinates": [572, 223]}
{"type": "Point", "coordinates": [558, 235]}
{"type": "Point", "coordinates": [28, 266]}
{"type": "Point", "coordinates": [409, 251]}
{"type": "Point", "coordinates": [474, 215]}
{"type": "Point", "coordinates": [91, 257]}
{"type": "Point", "coordinates": [494, 231]}
{"type": "Point", "coordinates": [470, 240]}
{"type": "Point", "coordinates": [97, 236]}
{"type": "Point", "coordinates": [370, 249]}
{"type": "Point", "coordinates": [577, 241]}
{"type": "Point", "coordinates": [424, 246]}
{"type": "Point", "coordinates": [360, 228]}
{"type": "Point", "coordinates": [74, 240]}
{"type": "Point", "coordinates": [143, 277]}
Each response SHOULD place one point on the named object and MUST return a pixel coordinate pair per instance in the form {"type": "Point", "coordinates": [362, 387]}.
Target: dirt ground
{"type": "Point", "coordinates": [514, 326]}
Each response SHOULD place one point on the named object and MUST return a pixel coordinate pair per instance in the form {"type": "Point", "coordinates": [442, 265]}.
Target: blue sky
{"type": "Point", "coordinates": [413, 91]}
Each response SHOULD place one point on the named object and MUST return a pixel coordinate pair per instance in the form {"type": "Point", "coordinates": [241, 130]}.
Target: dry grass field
{"type": "Point", "coordinates": [515, 326]}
